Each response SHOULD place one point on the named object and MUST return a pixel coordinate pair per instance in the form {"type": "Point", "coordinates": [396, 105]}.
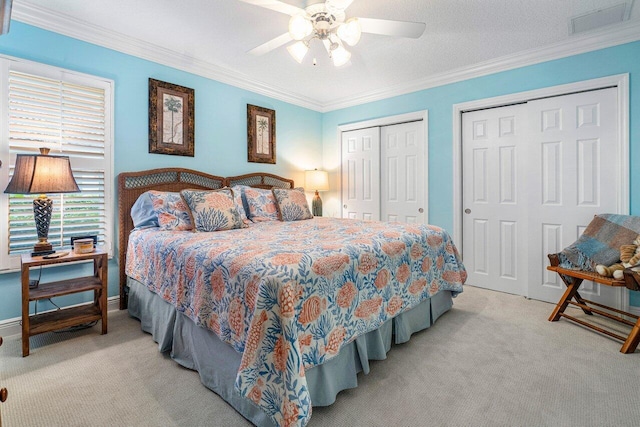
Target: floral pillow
{"type": "Point", "coordinates": [173, 213]}
{"type": "Point", "coordinates": [292, 204]}
{"type": "Point", "coordinates": [241, 204]}
{"type": "Point", "coordinates": [261, 203]}
{"type": "Point", "coordinates": [213, 210]}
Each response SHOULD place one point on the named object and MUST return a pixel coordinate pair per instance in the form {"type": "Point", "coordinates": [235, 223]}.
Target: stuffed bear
{"type": "Point", "coordinates": [614, 270]}
{"type": "Point", "coordinates": [629, 255]}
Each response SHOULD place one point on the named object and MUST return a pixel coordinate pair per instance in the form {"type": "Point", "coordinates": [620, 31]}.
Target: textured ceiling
{"type": "Point", "coordinates": [460, 34]}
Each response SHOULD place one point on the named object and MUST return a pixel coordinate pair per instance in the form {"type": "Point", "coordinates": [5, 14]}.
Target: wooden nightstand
{"type": "Point", "coordinates": [66, 317]}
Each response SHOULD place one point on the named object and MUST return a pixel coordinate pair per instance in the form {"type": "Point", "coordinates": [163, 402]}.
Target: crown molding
{"type": "Point", "coordinates": [71, 27]}
{"type": "Point", "coordinates": [616, 35]}
{"type": "Point", "coordinates": [81, 30]}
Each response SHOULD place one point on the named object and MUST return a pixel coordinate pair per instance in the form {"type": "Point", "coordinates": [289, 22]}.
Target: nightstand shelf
{"type": "Point", "coordinates": [66, 317]}
{"type": "Point", "coordinates": [65, 287]}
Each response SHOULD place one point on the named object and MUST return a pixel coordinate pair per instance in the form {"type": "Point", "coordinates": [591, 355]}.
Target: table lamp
{"type": "Point", "coordinates": [318, 181]}
{"type": "Point", "coordinates": [40, 174]}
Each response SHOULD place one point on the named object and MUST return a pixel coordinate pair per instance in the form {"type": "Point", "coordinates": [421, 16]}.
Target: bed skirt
{"type": "Point", "coordinates": [217, 363]}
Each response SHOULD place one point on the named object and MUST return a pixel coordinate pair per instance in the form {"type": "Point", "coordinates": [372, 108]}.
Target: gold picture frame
{"type": "Point", "coordinates": [261, 134]}
{"type": "Point", "coordinates": [171, 119]}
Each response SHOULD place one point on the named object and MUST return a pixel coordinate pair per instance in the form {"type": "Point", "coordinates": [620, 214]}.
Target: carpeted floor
{"type": "Point", "coordinates": [493, 360]}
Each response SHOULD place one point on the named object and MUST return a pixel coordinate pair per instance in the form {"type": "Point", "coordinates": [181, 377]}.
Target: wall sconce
{"type": "Point", "coordinates": [40, 174]}
{"type": "Point", "coordinates": [318, 181]}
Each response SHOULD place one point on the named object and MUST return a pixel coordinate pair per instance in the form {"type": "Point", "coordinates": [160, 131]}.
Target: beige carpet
{"type": "Point", "coordinates": [494, 360]}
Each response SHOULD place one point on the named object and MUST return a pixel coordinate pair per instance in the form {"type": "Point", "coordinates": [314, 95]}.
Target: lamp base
{"type": "Point", "coordinates": [316, 205]}
{"type": "Point", "coordinates": [42, 208]}
{"type": "Point", "coordinates": [42, 248]}
{"type": "Point", "coordinates": [42, 253]}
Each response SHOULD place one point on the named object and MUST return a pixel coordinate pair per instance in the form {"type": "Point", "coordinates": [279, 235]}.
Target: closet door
{"type": "Point", "coordinates": [361, 174]}
{"type": "Point", "coordinates": [403, 173]}
{"type": "Point", "coordinates": [572, 161]}
{"type": "Point", "coordinates": [534, 175]}
{"type": "Point", "coordinates": [494, 241]}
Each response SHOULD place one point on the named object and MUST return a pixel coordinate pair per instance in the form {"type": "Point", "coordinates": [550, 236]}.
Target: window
{"type": "Point", "coordinates": [69, 113]}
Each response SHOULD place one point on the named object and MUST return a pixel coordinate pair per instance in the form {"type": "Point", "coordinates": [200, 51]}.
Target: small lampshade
{"type": "Point", "coordinates": [316, 180]}
{"type": "Point", "coordinates": [298, 51]}
{"type": "Point", "coordinates": [41, 173]}
{"type": "Point", "coordinates": [350, 31]}
{"type": "Point", "coordinates": [299, 27]}
{"type": "Point", "coordinates": [340, 56]}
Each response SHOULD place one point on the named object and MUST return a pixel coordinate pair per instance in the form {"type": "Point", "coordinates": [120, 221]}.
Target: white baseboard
{"type": "Point", "coordinates": [12, 326]}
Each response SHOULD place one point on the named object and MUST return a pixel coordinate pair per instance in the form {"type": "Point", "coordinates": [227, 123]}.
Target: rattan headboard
{"type": "Point", "coordinates": [260, 180]}
{"type": "Point", "coordinates": [132, 184]}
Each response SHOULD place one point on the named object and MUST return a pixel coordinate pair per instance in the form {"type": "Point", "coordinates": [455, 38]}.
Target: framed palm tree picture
{"type": "Point", "coordinates": [261, 134]}
{"type": "Point", "coordinates": [171, 119]}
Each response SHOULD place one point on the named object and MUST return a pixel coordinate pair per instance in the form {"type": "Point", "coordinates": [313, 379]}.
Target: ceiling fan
{"type": "Point", "coordinates": [327, 22]}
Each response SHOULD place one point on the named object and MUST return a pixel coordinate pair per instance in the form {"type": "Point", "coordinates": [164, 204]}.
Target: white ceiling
{"type": "Point", "coordinates": [211, 38]}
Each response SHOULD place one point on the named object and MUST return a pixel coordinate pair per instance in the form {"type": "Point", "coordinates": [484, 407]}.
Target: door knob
{"type": "Point", "coordinates": [421, 210]}
{"type": "Point", "coordinates": [344, 206]}
{"type": "Point", "coordinates": [467, 211]}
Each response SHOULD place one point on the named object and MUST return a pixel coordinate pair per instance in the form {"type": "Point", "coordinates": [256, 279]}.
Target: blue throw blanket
{"type": "Point", "coordinates": [600, 243]}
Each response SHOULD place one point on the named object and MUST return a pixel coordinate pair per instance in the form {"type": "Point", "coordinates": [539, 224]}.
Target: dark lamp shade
{"type": "Point", "coordinates": [40, 174]}
{"type": "Point", "coordinates": [5, 16]}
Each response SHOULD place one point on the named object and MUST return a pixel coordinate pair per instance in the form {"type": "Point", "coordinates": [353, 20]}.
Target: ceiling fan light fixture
{"type": "Point", "coordinates": [350, 31]}
{"type": "Point", "coordinates": [340, 56]}
{"type": "Point", "coordinates": [298, 51]}
{"type": "Point", "coordinates": [299, 27]}
{"type": "Point", "coordinates": [326, 21]}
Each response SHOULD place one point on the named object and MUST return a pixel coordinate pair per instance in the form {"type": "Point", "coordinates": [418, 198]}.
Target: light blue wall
{"type": "Point", "coordinates": [220, 131]}
{"type": "Point", "coordinates": [303, 136]}
{"type": "Point", "coordinates": [440, 100]}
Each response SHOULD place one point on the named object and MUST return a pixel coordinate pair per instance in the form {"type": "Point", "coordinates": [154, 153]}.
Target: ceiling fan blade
{"type": "Point", "coordinates": [276, 5]}
{"type": "Point", "coordinates": [392, 28]}
{"type": "Point", "coordinates": [271, 44]}
{"type": "Point", "coordinates": [337, 4]}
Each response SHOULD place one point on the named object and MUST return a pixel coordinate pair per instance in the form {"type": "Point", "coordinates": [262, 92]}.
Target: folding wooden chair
{"type": "Point", "coordinates": [573, 279]}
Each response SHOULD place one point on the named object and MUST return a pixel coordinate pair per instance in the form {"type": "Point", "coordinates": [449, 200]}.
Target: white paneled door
{"type": "Point", "coordinates": [402, 174]}
{"type": "Point", "coordinates": [534, 174]}
{"type": "Point", "coordinates": [384, 173]}
{"type": "Point", "coordinates": [573, 154]}
{"type": "Point", "coordinates": [361, 174]}
{"type": "Point", "coordinates": [494, 222]}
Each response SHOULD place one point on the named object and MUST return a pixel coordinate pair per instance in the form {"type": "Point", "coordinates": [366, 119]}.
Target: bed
{"type": "Point", "coordinates": [279, 315]}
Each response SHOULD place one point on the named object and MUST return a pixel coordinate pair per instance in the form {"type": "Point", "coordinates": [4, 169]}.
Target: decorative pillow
{"type": "Point", "coordinates": [173, 213]}
{"type": "Point", "coordinates": [241, 203]}
{"type": "Point", "coordinates": [213, 210]}
{"type": "Point", "coordinates": [142, 212]}
{"type": "Point", "coordinates": [262, 204]}
{"type": "Point", "coordinates": [292, 204]}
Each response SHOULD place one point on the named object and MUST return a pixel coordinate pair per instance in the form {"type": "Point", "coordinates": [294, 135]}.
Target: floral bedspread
{"type": "Point", "coordinates": [289, 295]}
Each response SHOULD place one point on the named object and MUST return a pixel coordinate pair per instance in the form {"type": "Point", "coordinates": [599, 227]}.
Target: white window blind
{"type": "Point", "coordinates": [71, 115]}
